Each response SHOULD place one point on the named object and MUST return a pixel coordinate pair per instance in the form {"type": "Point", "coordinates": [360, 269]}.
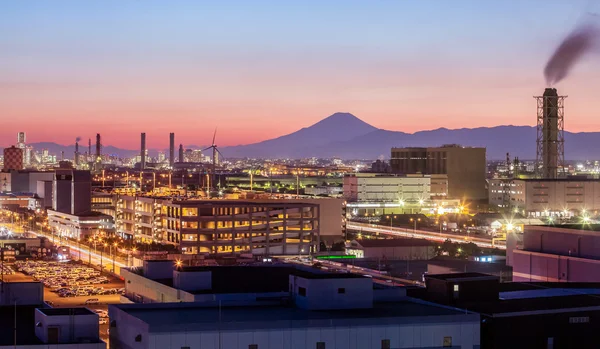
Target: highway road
{"type": "Point", "coordinates": [424, 234]}
{"type": "Point", "coordinates": [86, 254]}
{"type": "Point", "coordinates": [81, 251]}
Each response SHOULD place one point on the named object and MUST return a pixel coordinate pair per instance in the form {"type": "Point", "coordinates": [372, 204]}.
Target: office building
{"type": "Point", "coordinates": [140, 218]}
{"type": "Point", "coordinates": [13, 159]}
{"type": "Point", "coordinates": [80, 226]}
{"type": "Point", "coordinates": [546, 197]}
{"type": "Point", "coordinates": [465, 167]}
{"type": "Point", "coordinates": [263, 227]}
{"type": "Point", "coordinates": [72, 192]}
{"type": "Point", "coordinates": [25, 181]}
{"type": "Point", "coordinates": [312, 309]}
{"type": "Point", "coordinates": [71, 214]}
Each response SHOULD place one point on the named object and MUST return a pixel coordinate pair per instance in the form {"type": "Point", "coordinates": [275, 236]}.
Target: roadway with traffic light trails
{"type": "Point", "coordinates": [84, 253]}
{"type": "Point", "coordinates": [424, 234]}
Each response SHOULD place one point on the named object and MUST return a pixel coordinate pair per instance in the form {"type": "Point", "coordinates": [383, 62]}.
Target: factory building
{"type": "Point", "coordinates": [464, 166]}
{"type": "Point", "coordinates": [373, 187]}
{"type": "Point", "coordinates": [546, 197]}
{"type": "Point", "coordinates": [556, 254]}
{"type": "Point", "coordinates": [376, 194]}
{"type": "Point", "coordinates": [298, 308]}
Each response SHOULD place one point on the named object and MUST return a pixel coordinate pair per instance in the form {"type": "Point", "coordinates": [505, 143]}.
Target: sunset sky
{"type": "Point", "coordinates": [261, 69]}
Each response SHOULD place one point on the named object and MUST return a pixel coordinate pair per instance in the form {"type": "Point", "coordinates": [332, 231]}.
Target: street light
{"type": "Point", "coordinates": [113, 257]}
{"type": "Point", "coordinates": [101, 253]}
{"type": "Point", "coordinates": [391, 218]}
{"type": "Point", "coordinates": [90, 251]}
{"type": "Point", "coordinates": [415, 224]}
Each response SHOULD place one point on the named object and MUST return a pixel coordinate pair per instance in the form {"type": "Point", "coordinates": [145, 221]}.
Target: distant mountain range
{"type": "Point", "coordinates": [346, 136]}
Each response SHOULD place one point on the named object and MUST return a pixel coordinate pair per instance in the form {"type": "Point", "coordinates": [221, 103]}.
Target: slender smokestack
{"type": "Point", "coordinates": [181, 153]}
{"type": "Point", "coordinates": [143, 152]}
{"type": "Point", "coordinates": [76, 160]}
{"type": "Point", "coordinates": [171, 149]}
{"type": "Point", "coordinates": [98, 148]}
{"type": "Point", "coordinates": [550, 134]}
{"type": "Point", "coordinates": [89, 154]}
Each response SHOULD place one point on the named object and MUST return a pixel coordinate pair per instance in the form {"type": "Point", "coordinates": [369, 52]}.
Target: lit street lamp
{"type": "Point", "coordinates": [391, 218]}
{"type": "Point", "coordinates": [415, 224]}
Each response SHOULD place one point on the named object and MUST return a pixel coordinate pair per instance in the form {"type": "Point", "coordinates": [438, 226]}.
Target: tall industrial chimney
{"type": "Point", "coordinates": [143, 152]}
{"type": "Point", "coordinates": [76, 160]}
{"type": "Point", "coordinates": [98, 148]}
{"type": "Point", "coordinates": [181, 153]}
{"type": "Point", "coordinates": [89, 154]}
{"type": "Point", "coordinates": [171, 149]}
{"type": "Point", "coordinates": [550, 134]}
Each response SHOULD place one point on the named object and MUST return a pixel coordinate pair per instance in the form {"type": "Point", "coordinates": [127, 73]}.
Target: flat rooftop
{"type": "Point", "coordinates": [65, 311]}
{"type": "Point", "coordinates": [318, 274]}
{"type": "Point", "coordinates": [245, 202]}
{"type": "Point", "coordinates": [253, 279]}
{"type": "Point", "coordinates": [524, 305]}
{"type": "Point", "coordinates": [185, 316]}
{"type": "Point", "coordinates": [397, 242]}
{"type": "Point", "coordinates": [458, 277]}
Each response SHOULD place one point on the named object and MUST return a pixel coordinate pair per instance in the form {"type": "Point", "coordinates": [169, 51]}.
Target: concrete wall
{"type": "Point", "coordinates": [83, 327]}
{"type": "Point", "coordinates": [143, 290]}
{"type": "Point", "coordinates": [155, 269]}
{"type": "Point", "coordinates": [330, 216]}
{"type": "Point", "coordinates": [565, 242]}
{"type": "Point", "coordinates": [61, 193]}
{"type": "Point", "coordinates": [326, 293]}
{"type": "Point", "coordinates": [535, 266]}
{"type": "Point", "coordinates": [192, 281]}
{"type": "Point", "coordinates": [464, 334]}
{"type": "Point", "coordinates": [44, 191]}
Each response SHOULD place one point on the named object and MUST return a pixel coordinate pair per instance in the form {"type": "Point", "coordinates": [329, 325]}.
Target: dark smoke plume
{"type": "Point", "coordinates": [582, 40]}
{"type": "Point", "coordinates": [78, 139]}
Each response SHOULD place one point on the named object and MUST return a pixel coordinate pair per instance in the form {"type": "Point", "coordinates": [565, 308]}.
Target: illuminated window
{"type": "Point", "coordinates": [455, 288]}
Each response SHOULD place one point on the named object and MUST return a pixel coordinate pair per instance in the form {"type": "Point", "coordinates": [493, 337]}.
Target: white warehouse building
{"type": "Point", "coordinates": [371, 187]}
{"type": "Point", "coordinates": [546, 197]}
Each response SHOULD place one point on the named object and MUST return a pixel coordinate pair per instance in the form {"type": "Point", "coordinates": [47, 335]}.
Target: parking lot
{"type": "Point", "coordinates": [74, 276]}
{"type": "Point", "coordinates": [68, 279]}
